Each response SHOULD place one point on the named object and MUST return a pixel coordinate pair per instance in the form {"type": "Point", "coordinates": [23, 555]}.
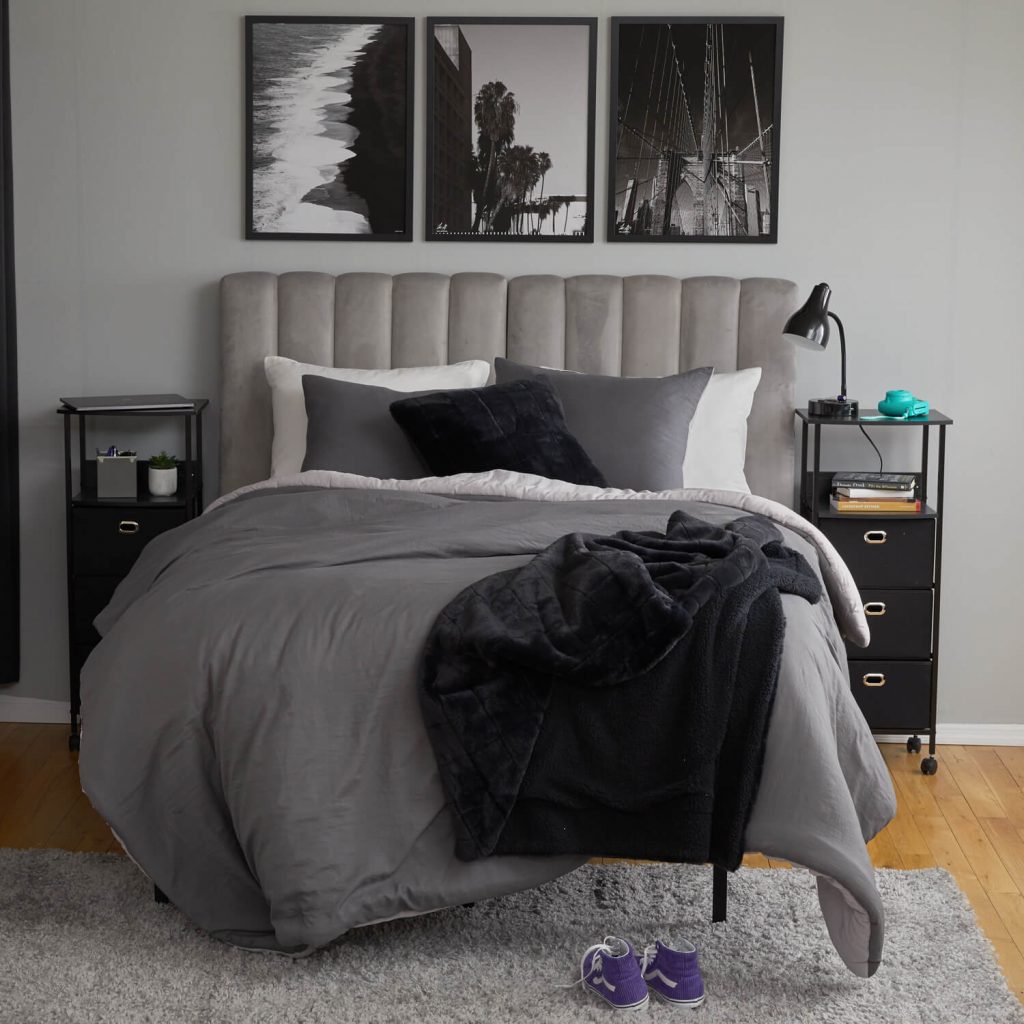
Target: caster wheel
{"type": "Point", "coordinates": [914, 745]}
{"type": "Point", "coordinates": [929, 766]}
{"type": "Point", "coordinates": [74, 741]}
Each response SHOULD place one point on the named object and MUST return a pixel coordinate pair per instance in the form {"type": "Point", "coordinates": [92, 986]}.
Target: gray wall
{"type": "Point", "coordinates": [902, 145]}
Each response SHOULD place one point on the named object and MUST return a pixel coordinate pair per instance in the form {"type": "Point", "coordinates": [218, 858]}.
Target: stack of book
{"type": "Point", "coordinates": [875, 492]}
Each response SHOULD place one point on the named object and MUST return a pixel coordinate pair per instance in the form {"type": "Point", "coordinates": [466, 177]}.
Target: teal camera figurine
{"type": "Point", "coordinates": [902, 404]}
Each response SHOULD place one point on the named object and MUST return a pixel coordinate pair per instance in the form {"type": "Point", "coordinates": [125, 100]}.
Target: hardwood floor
{"type": "Point", "coordinates": [41, 801]}
{"type": "Point", "coordinates": [969, 819]}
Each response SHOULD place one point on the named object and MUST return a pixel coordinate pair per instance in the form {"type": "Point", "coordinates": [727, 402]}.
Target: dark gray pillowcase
{"type": "Point", "coordinates": [633, 428]}
{"type": "Point", "coordinates": [351, 430]}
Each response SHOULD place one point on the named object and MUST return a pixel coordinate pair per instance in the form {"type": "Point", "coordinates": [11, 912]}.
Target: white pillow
{"type": "Point", "coordinates": [289, 405]}
{"type": "Point", "coordinates": [716, 447]}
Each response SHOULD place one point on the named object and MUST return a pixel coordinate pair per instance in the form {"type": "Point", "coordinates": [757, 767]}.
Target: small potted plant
{"type": "Point", "coordinates": [163, 475]}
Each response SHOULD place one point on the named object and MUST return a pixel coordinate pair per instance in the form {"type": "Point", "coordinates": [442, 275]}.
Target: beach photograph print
{"type": "Point", "coordinates": [510, 129]}
{"type": "Point", "coordinates": [329, 130]}
{"type": "Point", "coordinates": [694, 132]}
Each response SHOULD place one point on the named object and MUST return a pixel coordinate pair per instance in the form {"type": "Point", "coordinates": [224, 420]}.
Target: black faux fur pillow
{"type": "Point", "coordinates": [517, 426]}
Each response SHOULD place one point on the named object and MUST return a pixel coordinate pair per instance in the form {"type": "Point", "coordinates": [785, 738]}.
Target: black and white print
{"type": "Point", "coordinates": [510, 129]}
{"type": "Point", "coordinates": [694, 134]}
{"type": "Point", "coordinates": [329, 142]}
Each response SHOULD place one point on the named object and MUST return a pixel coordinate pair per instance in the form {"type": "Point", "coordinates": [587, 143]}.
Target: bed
{"type": "Point", "coordinates": [252, 732]}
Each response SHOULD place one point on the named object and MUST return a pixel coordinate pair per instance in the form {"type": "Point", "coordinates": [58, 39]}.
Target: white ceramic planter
{"type": "Point", "coordinates": [163, 482]}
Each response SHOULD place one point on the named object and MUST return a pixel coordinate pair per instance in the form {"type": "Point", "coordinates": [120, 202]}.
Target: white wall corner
{"type": "Point", "coordinates": [34, 709]}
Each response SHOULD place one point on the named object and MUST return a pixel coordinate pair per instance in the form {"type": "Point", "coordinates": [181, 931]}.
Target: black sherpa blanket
{"type": "Point", "coordinates": [611, 697]}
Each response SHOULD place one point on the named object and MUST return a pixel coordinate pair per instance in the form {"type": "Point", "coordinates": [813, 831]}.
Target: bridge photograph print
{"type": "Point", "coordinates": [694, 129]}
{"type": "Point", "coordinates": [510, 129]}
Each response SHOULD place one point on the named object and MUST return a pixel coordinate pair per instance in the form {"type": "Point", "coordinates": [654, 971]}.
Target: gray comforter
{"type": "Point", "coordinates": [252, 732]}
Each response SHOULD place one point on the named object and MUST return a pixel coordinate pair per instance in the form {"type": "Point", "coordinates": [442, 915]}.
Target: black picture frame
{"type": "Point", "coordinates": [403, 235]}
{"type": "Point", "coordinates": [430, 217]}
{"type": "Point", "coordinates": [615, 128]}
{"type": "Point", "coordinates": [10, 574]}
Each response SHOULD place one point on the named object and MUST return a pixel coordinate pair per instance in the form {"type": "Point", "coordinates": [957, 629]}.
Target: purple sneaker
{"type": "Point", "coordinates": [610, 969]}
{"type": "Point", "coordinates": [673, 975]}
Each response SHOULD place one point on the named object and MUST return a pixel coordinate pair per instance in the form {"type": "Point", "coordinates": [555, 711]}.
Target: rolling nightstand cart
{"type": "Point", "coordinates": [106, 535]}
{"type": "Point", "coordinates": [896, 561]}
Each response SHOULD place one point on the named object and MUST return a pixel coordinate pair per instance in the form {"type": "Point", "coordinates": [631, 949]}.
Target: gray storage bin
{"type": "Point", "coordinates": [116, 476]}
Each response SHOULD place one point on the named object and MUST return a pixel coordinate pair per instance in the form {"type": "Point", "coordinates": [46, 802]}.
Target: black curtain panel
{"type": "Point", "coordinates": [9, 617]}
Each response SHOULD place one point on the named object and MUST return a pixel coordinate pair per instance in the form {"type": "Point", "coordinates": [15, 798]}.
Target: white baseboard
{"type": "Point", "coordinates": [970, 734]}
{"type": "Point", "coordinates": [32, 709]}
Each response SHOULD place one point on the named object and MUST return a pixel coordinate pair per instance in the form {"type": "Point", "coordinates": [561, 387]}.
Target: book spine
{"type": "Point", "coordinates": [860, 505]}
{"type": "Point", "coordinates": [871, 494]}
{"type": "Point", "coordinates": [875, 485]}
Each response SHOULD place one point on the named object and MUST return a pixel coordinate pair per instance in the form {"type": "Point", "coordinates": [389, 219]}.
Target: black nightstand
{"type": "Point", "coordinates": [106, 535]}
{"type": "Point", "coordinates": [896, 561]}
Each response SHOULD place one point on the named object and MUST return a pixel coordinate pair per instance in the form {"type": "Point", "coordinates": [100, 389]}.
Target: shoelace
{"type": "Point", "coordinates": [593, 952]}
{"type": "Point", "coordinates": [650, 952]}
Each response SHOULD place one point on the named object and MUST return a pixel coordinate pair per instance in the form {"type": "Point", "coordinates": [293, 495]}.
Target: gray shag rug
{"type": "Point", "coordinates": [81, 940]}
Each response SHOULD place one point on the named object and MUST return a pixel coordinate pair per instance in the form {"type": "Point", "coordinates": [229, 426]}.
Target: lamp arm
{"type": "Point", "coordinates": [842, 351]}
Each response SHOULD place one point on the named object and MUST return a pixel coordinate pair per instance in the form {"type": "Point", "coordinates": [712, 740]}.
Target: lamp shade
{"type": "Point", "coordinates": [808, 326]}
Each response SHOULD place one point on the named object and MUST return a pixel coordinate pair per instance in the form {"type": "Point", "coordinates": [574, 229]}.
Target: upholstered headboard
{"type": "Point", "coordinates": [642, 326]}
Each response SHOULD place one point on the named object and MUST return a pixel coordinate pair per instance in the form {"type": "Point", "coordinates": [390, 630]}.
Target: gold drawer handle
{"type": "Point", "coordinates": [874, 679]}
{"type": "Point", "coordinates": [128, 526]}
{"type": "Point", "coordinates": [875, 537]}
{"type": "Point", "coordinates": [874, 608]}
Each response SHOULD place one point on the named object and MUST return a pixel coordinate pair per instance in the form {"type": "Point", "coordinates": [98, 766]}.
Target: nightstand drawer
{"type": "Point", "coordinates": [106, 542]}
{"type": "Point", "coordinates": [90, 595]}
{"type": "Point", "coordinates": [893, 694]}
{"type": "Point", "coordinates": [885, 552]}
{"type": "Point", "coordinates": [900, 622]}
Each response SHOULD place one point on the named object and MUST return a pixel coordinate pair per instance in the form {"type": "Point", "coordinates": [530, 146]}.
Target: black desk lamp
{"type": "Point", "coordinates": [809, 328]}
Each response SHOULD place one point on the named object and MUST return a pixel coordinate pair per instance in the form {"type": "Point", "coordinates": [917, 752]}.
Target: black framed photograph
{"type": "Point", "coordinates": [694, 129]}
{"type": "Point", "coordinates": [329, 128]}
{"type": "Point", "coordinates": [510, 129]}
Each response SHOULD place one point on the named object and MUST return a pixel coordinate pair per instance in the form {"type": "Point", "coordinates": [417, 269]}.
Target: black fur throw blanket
{"type": "Point", "coordinates": [611, 697]}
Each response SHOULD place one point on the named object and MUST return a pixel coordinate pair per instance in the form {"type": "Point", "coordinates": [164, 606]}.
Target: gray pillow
{"type": "Point", "coordinates": [633, 428]}
{"type": "Point", "coordinates": [351, 430]}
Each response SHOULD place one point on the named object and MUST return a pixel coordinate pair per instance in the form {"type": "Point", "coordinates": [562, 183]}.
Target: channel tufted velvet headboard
{"type": "Point", "coordinates": [643, 326]}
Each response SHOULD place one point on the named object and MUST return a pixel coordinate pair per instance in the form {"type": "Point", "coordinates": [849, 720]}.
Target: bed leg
{"type": "Point", "coordinates": [159, 896]}
{"type": "Point", "coordinates": [719, 893]}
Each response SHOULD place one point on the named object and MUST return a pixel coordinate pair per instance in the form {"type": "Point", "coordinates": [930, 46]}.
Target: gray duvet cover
{"type": "Point", "coordinates": [252, 731]}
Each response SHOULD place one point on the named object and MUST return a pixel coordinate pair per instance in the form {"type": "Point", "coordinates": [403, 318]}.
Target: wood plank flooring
{"type": "Point", "coordinates": [41, 801]}
{"type": "Point", "coordinates": [969, 819]}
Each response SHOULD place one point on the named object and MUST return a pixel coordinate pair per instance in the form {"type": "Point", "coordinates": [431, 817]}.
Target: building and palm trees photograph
{"type": "Point", "coordinates": [510, 145]}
